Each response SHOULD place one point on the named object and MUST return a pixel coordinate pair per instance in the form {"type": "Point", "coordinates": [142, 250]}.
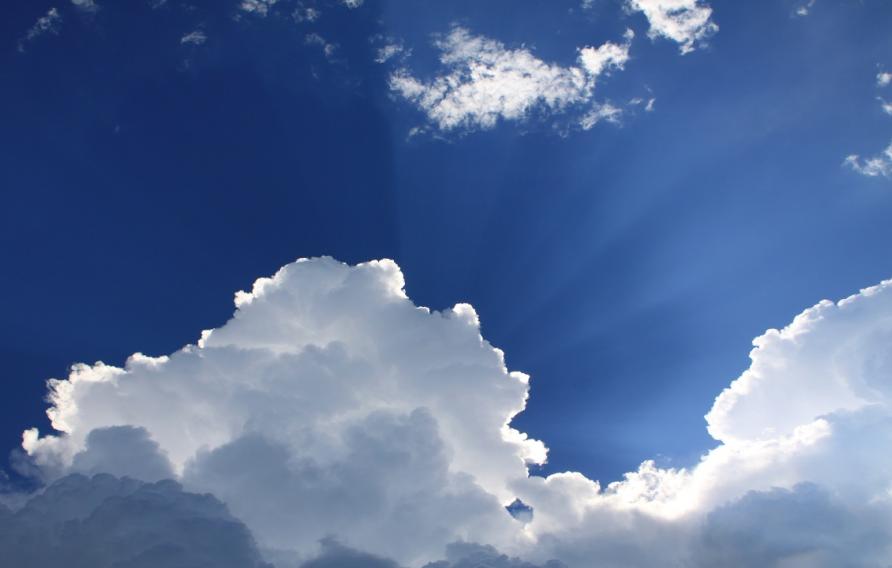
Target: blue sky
{"type": "Point", "coordinates": [626, 268]}
{"type": "Point", "coordinates": [158, 156]}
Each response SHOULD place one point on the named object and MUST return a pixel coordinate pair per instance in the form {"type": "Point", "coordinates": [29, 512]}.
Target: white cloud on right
{"type": "Point", "coordinates": [482, 81]}
{"type": "Point", "coordinates": [686, 22]}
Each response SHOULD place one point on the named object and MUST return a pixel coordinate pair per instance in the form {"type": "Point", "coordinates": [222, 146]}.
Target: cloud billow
{"type": "Point", "coordinates": [342, 423]}
{"type": "Point", "coordinates": [108, 522]}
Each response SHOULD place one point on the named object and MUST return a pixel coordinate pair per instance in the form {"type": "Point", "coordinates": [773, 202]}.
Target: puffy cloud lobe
{"type": "Point", "coordinates": [686, 22]}
{"type": "Point", "coordinates": [842, 348]}
{"type": "Point", "coordinates": [392, 487]}
{"type": "Point", "coordinates": [331, 406]}
{"type": "Point", "coordinates": [483, 81]}
{"type": "Point", "coordinates": [196, 37]}
{"type": "Point", "coordinates": [802, 526]}
{"type": "Point", "coordinates": [106, 522]}
{"type": "Point", "coordinates": [124, 451]}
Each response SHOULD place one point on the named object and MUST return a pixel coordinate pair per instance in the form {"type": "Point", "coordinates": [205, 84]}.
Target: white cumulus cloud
{"type": "Point", "coordinates": [483, 81]}
{"type": "Point", "coordinates": [686, 22]}
{"type": "Point", "coordinates": [331, 394]}
{"type": "Point", "coordinates": [346, 426]}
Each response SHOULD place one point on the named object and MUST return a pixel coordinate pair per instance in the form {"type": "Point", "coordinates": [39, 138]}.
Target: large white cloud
{"type": "Point", "coordinates": [330, 406]}
{"type": "Point", "coordinates": [686, 22]}
{"type": "Point", "coordinates": [483, 81]}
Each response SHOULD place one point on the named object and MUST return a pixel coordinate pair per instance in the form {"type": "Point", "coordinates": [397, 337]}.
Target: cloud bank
{"type": "Point", "coordinates": [482, 81]}
{"type": "Point", "coordinates": [345, 425]}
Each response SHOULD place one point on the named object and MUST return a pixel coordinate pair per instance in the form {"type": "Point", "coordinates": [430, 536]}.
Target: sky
{"type": "Point", "coordinates": [627, 192]}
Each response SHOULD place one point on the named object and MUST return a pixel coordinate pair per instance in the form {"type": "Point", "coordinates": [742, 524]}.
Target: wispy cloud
{"type": "Point", "coordinates": [388, 51]}
{"type": "Point", "coordinates": [879, 165]}
{"type": "Point", "coordinates": [258, 7]}
{"type": "Point", "coordinates": [86, 5]}
{"type": "Point", "coordinates": [602, 112]}
{"type": "Point", "coordinates": [47, 24]}
{"type": "Point", "coordinates": [196, 37]}
{"type": "Point", "coordinates": [873, 166]}
{"type": "Point", "coordinates": [328, 48]}
{"type": "Point", "coordinates": [304, 13]}
{"type": "Point", "coordinates": [804, 9]}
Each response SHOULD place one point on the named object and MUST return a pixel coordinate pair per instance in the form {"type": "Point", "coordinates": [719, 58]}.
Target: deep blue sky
{"type": "Point", "coordinates": [626, 268]}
